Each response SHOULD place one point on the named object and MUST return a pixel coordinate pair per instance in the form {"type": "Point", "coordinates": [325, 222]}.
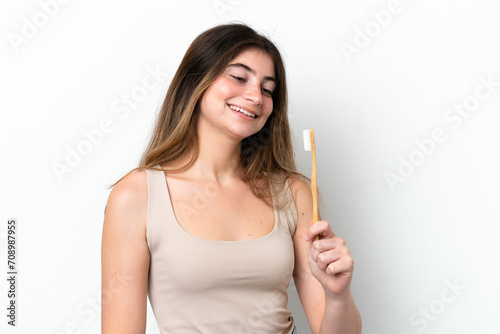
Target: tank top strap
{"type": "Point", "coordinates": [159, 209]}
{"type": "Point", "coordinates": [286, 211]}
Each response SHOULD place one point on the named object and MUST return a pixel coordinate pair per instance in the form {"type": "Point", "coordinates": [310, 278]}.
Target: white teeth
{"type": "Point", "coordinates": [242, 111]}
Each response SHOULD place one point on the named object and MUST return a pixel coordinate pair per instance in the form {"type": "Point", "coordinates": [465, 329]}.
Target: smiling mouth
{"type": "Point", "coordinates": [243, 111]}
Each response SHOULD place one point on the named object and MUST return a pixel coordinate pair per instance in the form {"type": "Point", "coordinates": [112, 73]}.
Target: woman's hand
{"type": "Point", "coordinates": [329, 260]}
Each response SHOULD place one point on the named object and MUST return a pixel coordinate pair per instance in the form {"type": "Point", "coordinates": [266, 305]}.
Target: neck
{"type": "Point", "coordinates": [218, 156]}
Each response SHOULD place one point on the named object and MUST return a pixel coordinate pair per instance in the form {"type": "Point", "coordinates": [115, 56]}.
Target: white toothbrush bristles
{"type": "Point", "coordinates": [307, 140]}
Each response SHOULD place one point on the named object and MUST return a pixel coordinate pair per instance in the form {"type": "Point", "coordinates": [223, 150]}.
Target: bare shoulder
{"type": "Point", "coordinates": [129, 198]}
{"type": "Point", "coordinates": [301, 193]}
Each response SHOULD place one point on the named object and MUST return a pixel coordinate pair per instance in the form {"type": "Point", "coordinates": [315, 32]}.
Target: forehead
{"type": "Point", "coordinates": [258, 60]}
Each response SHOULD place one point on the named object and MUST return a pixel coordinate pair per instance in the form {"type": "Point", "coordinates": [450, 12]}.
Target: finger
{"type": "Point", "coordinates": [322, 245]}
{"type": "Point", "coordinates": [330, 243]}
{"type": "Point", "coordinates": [344, 265]}
{"type": "Point", "coordinates": [328, 257]}
{"type": "Point", "coordinates": [320, 228]}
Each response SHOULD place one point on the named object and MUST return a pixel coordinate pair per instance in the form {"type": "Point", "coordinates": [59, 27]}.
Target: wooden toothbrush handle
{"type": "Point", "coordinates": [314, 187]}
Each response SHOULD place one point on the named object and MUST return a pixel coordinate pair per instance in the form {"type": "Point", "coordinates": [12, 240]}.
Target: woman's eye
{"type": "Point", "coordinates": [267, 92]}
{"type": "Point", "coordinates": [240, 79]}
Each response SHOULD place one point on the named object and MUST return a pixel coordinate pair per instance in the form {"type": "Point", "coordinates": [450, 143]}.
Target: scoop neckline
{"type": "Point", "coordinates": [178, 225]}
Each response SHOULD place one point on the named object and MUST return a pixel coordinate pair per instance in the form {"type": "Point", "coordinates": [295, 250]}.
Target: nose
{"type": "Point", "coordinates": [253, 94]}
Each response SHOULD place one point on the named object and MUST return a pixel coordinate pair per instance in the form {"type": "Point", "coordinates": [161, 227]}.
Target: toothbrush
{"type": "Point", "coordinates": [310, 147]}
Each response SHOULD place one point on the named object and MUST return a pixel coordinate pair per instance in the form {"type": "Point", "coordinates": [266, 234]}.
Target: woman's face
{"type": "Point", "coordinates": [239, 101]}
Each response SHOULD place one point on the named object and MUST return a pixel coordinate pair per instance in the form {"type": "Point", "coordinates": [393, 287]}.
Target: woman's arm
{"type": "Point", "coordinates": [125, 257]}
{"type": "Point", "coordinates": [323, 271]}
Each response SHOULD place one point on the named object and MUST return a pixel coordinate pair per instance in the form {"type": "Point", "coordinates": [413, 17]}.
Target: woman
{"type": "Point", "coordinates": [215, 221]}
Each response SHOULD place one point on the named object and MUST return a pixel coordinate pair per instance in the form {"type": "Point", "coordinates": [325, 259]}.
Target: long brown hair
{"type": "Point", "coordinates": [267, 156]}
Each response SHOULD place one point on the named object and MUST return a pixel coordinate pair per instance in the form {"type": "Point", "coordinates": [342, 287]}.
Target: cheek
{"type": "Point", "coordinates": [205, 101]}
{"type": "Point", "coordinates": [224, 86]}
{"type": "Point", "coordinates": [228, 89]}
{"type": "Point", "coordinates": [268, 107]}
{"type": "Point", "coordinates": [214, 95]}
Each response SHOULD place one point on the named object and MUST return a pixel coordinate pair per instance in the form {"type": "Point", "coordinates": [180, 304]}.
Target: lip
{"type": "Point", "coordinates": [246, 109]}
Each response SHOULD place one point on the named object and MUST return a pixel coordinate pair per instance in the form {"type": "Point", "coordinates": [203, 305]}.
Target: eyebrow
{"type": "Point", "coordinates": [251, 70]}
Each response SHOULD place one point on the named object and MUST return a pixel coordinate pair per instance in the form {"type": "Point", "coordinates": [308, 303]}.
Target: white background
{"type": "Point", "coordinates": [435, 226]}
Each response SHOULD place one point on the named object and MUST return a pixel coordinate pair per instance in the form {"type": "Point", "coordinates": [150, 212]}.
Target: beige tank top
{"type": "Point", "coordinates": [211, 286]}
